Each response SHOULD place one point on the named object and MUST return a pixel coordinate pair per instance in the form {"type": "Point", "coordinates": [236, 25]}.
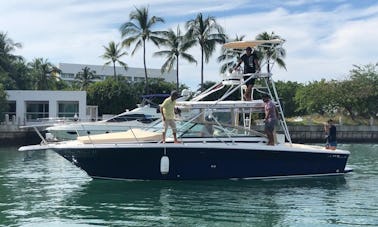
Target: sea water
{"type": "Point", "coordinates": [43, 189]}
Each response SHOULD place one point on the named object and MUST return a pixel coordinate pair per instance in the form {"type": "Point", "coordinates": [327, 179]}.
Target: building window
{"type": "Point", "coordinates": [11, 109]}
{"type": "Point", "coordinates": [36, 110]}
{"type": "Point", "coordinates": [67, 75]}
{"type": "Point", "coordinates": [68, 109]}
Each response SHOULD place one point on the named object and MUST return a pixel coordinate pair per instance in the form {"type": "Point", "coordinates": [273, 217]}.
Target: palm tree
{"type": "Point", "coordinates": [207, 33]}
{"type": "Point", "coordinates": [177, 45]}
{"type": "Point", "coordinates": [7, 46]}
{"type": "Point", "coordinates": [113, 53]}
{"type": "Point", "coordinates": [9, 63]}
{"type": "Point", "coordinates": [229, 55]}
{"type": "Point", "coordinates": [139, 30]}
{"type": "Point", "coordinates": [44, 73]}
{"type": "Point", "coordinates": [14, 73]}
{"type": "Point", "coordinates": [274, 52]}
{"type": "Point", "coordinates": [3, 102]}
{"type": "Point", "coordinates": [85, 77]}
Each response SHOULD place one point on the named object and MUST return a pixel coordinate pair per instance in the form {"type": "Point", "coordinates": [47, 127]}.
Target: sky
{"type": "Point", "coordinates": [324, 38]}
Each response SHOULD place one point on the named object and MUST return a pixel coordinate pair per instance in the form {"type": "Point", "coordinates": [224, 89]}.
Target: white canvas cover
{"type": "Point", "coordinates": [252, 43]}
{"type": "Point", "coordinates": [132, 135]}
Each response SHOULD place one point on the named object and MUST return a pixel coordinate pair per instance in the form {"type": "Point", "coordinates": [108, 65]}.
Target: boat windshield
{"type": "Point", "coordinates": [144, 118]}
{"type": "Point", "coordinates": [193, 129]}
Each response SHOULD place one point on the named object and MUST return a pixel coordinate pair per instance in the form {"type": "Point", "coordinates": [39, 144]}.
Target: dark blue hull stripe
{"type": "Point", "coordinates": [202, 164]}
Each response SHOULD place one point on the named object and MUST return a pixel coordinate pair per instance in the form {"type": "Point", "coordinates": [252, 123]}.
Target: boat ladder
{"type": "Point", "coordinates": [268, 88]}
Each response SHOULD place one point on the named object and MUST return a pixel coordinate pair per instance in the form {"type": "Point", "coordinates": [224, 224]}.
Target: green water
{"type": "Point", "coordinates": [42, 189]}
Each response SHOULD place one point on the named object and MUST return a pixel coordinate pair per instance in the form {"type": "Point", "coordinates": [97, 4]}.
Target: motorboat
{"type": "Point", "coordinates": [138, 117]}
{"type": "Point", "coordinates": [145, 113]}
{"type": "Point", "coordinates": [216, 138]}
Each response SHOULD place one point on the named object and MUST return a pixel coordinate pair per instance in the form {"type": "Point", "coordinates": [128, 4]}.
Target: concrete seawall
{"type": "Point", "coordinates": [345, 133]}
{"type": "Point", "coordinates": [13, 135]}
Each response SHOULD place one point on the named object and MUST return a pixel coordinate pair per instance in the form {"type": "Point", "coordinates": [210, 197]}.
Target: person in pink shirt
{"type": "Point", "coordinates": [270, 118]}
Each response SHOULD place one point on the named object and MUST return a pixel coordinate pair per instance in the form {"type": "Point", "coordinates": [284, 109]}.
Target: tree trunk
{"type": "Point", "coordinates": [145, 68]}
{"type": "Point", "coordinates": [177, 73]}
{"type": "Point", "coordinates": [350, 111]}
{"type": "Point", "coordinates": [114, 70]}
{"type": "Point", "coordinates": [201, 68]}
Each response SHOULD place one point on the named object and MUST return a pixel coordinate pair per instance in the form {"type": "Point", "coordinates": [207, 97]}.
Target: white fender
{"type": "Point", "coordinates": [164, 165]}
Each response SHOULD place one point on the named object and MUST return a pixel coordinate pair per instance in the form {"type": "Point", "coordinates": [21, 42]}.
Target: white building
{"type": "Point", "coordinates": [69, 72]}
{"type": "Point", "coordinates": [30, 105]}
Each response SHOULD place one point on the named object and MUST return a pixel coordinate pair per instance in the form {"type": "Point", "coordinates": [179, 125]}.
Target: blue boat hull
{"type": "Point", "coordinates": [186, 163]}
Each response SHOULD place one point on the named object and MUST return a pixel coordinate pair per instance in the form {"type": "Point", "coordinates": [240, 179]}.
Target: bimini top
{"type": "Point", "coordinates": [252, 43]}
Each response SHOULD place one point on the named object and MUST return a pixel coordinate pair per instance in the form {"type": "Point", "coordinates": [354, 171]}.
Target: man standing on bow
{"type": "Point", "coordinates": [167, 110]}
{"type": "Point", "coordinates": [251, 65]}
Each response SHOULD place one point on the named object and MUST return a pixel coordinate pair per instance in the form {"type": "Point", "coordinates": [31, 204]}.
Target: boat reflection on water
{"type": "Point", "coordinates": [190, 202]}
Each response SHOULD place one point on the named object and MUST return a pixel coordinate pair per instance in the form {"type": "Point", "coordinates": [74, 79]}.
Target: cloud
{"type": "Point", "coordinates": [323, 38]}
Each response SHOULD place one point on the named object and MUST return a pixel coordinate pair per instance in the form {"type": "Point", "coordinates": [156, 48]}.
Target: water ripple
{"type": "Point", "coordinates": [43, 189]}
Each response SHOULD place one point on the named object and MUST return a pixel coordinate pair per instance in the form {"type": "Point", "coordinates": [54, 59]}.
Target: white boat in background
{"type": "Point", "coordinates": [138, 117]}
{"type": "Point", "coordinates": [216, 142]}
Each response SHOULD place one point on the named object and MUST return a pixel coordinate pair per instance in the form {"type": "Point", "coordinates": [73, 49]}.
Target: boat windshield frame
{"type": "Point", "coordinates": [202, 129]}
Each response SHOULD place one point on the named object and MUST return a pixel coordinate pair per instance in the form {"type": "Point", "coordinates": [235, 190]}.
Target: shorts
{"type": "Point", "coordinates": [269, 125]}
{"type": "Point", "coordinates": [249, 82]}
{"type": "Point", "coordinates": [333, 144]}
{"type": "Point", "coordinates": [170, 123]}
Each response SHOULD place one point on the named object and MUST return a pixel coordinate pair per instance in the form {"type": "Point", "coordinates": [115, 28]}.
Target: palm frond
{"type": "Point", "coordinates": [272, 52]}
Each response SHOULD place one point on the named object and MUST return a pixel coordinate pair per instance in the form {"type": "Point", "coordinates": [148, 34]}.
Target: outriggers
{"type": "Point", "coordinates": [216, 141]}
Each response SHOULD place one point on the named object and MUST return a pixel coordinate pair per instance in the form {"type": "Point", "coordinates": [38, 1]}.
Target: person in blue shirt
{"type": "Point", "coordinates": [330, 130]}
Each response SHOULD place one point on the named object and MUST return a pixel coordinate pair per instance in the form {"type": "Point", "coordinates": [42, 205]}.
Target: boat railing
{"type": "Point", "coordinates": [225, 132]}
{"type": "Point", "coordinates": [231, 77]}
{"type": "Point", "coordinates": [200, 118]}
{"type": "Point", "coordinates": [49, 121]}
{"type": "Point", "coordinates": [236, 82]}
{"type": "Point", "coordinates": [235, 79]}
{"type": "Point", "coordinates": [38, 128]}
{"type": "Point", "coordinates": [270, 89]}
